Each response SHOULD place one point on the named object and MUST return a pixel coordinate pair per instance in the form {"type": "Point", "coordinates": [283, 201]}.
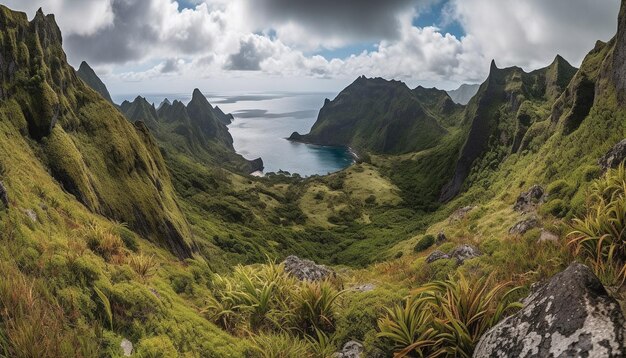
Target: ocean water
{"type": "Point", "coordinates": [264, 120]}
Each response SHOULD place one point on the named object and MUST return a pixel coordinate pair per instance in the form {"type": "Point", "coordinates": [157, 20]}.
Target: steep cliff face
{"type": "Point", "coordinates": [111, 166]}
{"type": "Point", "coordinates": [196, 130]}
{"type": "Point", "coordinates": [500, 115]}
{"type": "Point", "coordinates": [380, 116]}
{"type": "Point", "coordinates": [87, 74]}
{"type": "Point", "coordinates": [618, 62]}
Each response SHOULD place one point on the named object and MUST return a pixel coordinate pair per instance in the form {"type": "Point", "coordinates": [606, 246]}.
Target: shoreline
{"type": "Point", "coordinates": [353, 153]}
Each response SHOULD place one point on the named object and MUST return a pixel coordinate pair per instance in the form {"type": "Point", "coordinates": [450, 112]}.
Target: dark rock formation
{"type": "Point", "coordinates": [583, 97]}
{"type": "Point", "coordinates": [464, 252]}
{"type": "Point", "coordinates": [441, 237]}
{"type": "Point", "coordinates": [492, 114]}
{"type": "Point", "coordinates": [529, 200]}
{"type": "Point", "coordinates": [351, 349]}
{"type": "Point", "coordinates": [307, 270]}
{"type": "Point", "coordinates": [619, 56]}
{"type": "Point", "coordinates": [89, 76]}
{"type": "Point", "coordinates": [523, 226]}
{"type": "Point", "coordinates": [614, 157]}
{"type": "Point", "coordinates": [436, 255]}
{"type": "Point", "coordinates": [571, 316]}
{"type": "Point", "coordinates": [256, 165]}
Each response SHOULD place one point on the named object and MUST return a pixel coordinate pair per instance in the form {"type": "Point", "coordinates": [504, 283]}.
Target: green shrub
{"type": "Point", "coordinates": [560, 189]}
{"type": "Point", "coordinates": [156, 347]}
{"type": "Point", "coordinates": [557, 208]}
{"type": "Point", "coordinates": [424, 243]}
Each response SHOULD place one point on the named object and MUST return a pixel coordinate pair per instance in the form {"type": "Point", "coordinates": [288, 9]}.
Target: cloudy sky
{"type": "Point", "coordinates": [165, 46]}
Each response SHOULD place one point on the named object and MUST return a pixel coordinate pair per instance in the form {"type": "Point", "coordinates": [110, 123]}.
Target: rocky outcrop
{"type": "Point", "coordinates": [351, 349]}
{"type": "Point", "coordinates": [523, 226]}
{"type": "Point", "coordinates": [459, 254]}
{"type": "Point", "coordinates": [529, 200]}
{"type": "Point", "coordinates": [464, 252]}
{"type": "Point", "coordinates": [307, 270]}
{"type": "Point", "coordinates": [460, 214]}
{"type": "Point", "coordinates": [436, 255]}
{"type": "Point", "coordinates": [547, 236]}
{"type": "Point", "coordinates": [255, 165]}
{"type": "Point", "coordinates": [613, 157]}
{"type": "Point", "coordinates": [127, 347]}
{"type": "Point", "coordinates": [571, 316]}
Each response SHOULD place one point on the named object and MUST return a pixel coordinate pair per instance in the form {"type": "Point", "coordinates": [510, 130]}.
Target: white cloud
{"type": "Point", "coordinates": [273, 38]}
{"type": "Point", "coordinates": [530, 33]}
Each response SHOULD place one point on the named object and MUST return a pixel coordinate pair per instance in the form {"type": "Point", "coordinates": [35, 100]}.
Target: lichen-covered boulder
{"type": "Point", "coordinates": [523, 226]}
{"type": "Point", "coordinates": [352, 349]}
{"type": "Point", "coordinates": [613, 157]}
{"type": "Point", "coordinates": [571, 316]}
{"type": "Point", "coordinates": [307, 270]}
{"type": "Point", "coordinates": [436, 255]}
{"type": "Point", "coordinates": [464, 252]}
{"type": "Point", "coordinates": [529, 200]}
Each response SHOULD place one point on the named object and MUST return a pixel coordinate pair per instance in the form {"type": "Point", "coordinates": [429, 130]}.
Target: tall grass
{"type": "Point", "coordinates": [599, 236]}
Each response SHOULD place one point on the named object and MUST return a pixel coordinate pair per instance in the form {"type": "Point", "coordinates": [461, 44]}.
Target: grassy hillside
{"type": "Point", "coordinates": [115, 229]}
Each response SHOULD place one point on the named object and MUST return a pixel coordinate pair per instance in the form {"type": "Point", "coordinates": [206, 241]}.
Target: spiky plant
{"type": "Point", "coordinates": [407, 327]}
{"type": "Point", "coordinates": [599, 237]}
{"type": "Point", "coordinates": [446, 318]}
{"type": "Point", "coordinates": [322, 345]}
{"type": "Point", "coordinates": [279, 345]}
{"type": "Point", "coordinates": [315, 307]}
{"type": "Point", "coordinates": [145, 266]}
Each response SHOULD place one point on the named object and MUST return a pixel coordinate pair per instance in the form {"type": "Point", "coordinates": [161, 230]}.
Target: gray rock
{"type": "Point", "coordinates": [547, 236]}
{"type": "Point", "coordinates": [352, 349]}
{"type": "Point", "coordinates": [529, 200]}
{"type": "Point", "coordinates": [571, 316]}
{"type": "Point", "coordinates": [4, 196]}
{"type": "Point", "coordinates": [31, 215]}
{"type": "Point", "coordinates": [307, 270]}
{"type": "Point", "coordinates": [436, 255]}
{"type": "Point", "coordinates": [523, 226]}
{"type": "Point", "coordinates": [127, 347]}
{"type": "Point", "coordinates": [460, 214]}
{"type": "Point", "coordinates": [464, 252]}
{"type": "Point", "coordinates": [367, 287]}
{"type": "Point", "coordinates": [614, 157]}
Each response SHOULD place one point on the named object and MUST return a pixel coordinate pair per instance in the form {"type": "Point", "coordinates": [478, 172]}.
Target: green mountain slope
{"type": "Point", "coordinates": [499, 115]}
{"type": "Point", "coordinates": [379, 116]}
{"type": "Point", "coordinates": [111, 166]}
